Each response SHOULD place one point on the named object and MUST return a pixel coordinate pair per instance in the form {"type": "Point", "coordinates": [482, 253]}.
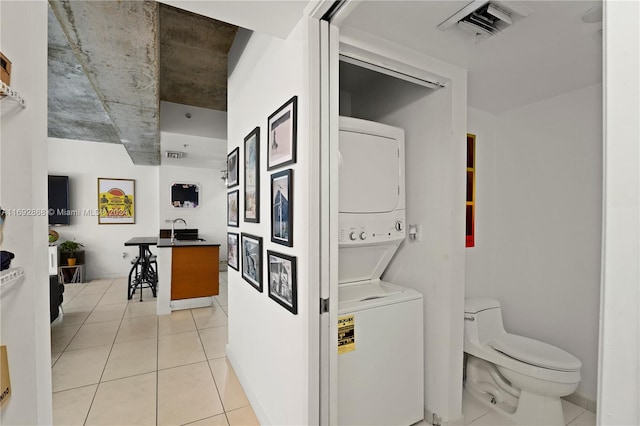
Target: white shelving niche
{"type": "Point", "coordinates": [10, 276]}
{"type": "Point", "coordinates": [7, 94]}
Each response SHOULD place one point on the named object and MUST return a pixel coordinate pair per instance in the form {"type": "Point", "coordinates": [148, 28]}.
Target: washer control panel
{"type": "Point", "coordinates": [356, 229]}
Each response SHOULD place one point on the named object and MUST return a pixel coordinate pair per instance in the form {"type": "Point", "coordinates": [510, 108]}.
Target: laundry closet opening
{"type": "Point", "coordinates": [424, 113]}
{"type": "Point", "coordinates": [394, 135]}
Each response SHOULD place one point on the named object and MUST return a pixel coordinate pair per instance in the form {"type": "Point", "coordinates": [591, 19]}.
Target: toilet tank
{"type": "Point", "coordinates": [482, 320]}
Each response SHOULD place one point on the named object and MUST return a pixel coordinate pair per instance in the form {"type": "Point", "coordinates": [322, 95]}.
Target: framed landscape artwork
{"type": "Point", "coordinates": [232, 168]}
{"type": "Point", "coordinates": [232, 250]}
{"type": "Point", "coordinates": [282, 208]}
{"type": "Point", "coordinates": [282, 129]}
{"type": "Point", "coordinates": [283, 282]}
{"type": "Point", "coordinates": [232, 208]}
{"type": "Point", "coordinates": [252, 260]}
{"type": "Point", "coordinates": [252, 176]}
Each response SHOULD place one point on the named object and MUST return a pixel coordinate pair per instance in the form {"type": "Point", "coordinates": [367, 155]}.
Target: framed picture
{"type": "Point", "coordinates": [185, 195]}
{"type": "Point", "coordinates": [252, 176]}
{"type": "Point", "coordinates": [252, 260]}
{"type": "Point", "coordinates": [232, 250]}
{"type": "Point", "coordinates": [283, 282]}
{"type": "Point", "coordinates": [282, 129]}
{"type": "Point", "coordinates": [116, 201]}
{"type": "Point", "coordinates": [232, 208]}
{"type": "Point", "coordinates": [282, 208]}
{"type": "Point", "coordinates": [232, 168]}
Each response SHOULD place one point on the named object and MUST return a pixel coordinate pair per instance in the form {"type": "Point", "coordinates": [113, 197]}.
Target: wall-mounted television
{"type": "Point", "coordinates": [59, 200]}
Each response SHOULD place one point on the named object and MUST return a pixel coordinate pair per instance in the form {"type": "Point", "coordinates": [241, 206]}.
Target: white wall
{"type": "Point", "coordinates": [210, 217]}
{"type": "Point", "coordinates": [619, 379]}
{"type": "Point", "coordinates": [24, 311]}
{"type": "Point", "coordinates": [426, 118]}
{"type": "Point", "coordinates": [268, 346]}
{"type": "Point", "coordinates": [479, 260]}
{"type": "Point", "coordinates": [84, 162]}
{"type": "Point", "coordinates": [538, 223]}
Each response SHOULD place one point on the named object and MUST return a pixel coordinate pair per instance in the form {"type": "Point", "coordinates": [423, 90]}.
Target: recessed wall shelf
{"type": "Point", "coordinates": [10, 276]}
{"type": "Point", "coordinates": [8, 92]}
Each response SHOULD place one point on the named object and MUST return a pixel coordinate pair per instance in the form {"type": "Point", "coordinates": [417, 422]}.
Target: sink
{"type": "Point", "coordinates": [181, 234]}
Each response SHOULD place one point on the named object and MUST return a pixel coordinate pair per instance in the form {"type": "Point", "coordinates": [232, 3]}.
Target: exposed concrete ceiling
{"type": "Point", "coordinates": [110, 64]}
{"type": "Point", "coordinates": [193, 58]}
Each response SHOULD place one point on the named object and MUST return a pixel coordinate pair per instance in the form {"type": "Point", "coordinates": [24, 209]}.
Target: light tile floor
{"type": "Point", "coordinates": [477, 414]}
{"type": "Point", "coordinates": [114, 362]}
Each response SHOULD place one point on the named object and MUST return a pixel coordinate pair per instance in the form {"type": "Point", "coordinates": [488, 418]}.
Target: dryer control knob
{"type": "Point", "coordinates": [399, 226]}
{"type": "Point", "coordinates": [363, 235]}
{"type": "Point", "coordinates": [353, 236]}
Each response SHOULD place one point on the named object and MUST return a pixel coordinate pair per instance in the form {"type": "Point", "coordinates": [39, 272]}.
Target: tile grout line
{"type": "Point", "coordinates": [157, 369]}
{"type": "Point", "coordinates": [215, 383]}
{"type": "Point", "coordinates": [81, 325]}
{"type": "Point", "coordinates": [86, 417]}
{"type": "Point", "coordinates": [101, 380]}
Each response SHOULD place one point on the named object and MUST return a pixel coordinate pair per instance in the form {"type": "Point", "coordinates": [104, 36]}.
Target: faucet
{"type": "Point", "coordinates": [173, 223]}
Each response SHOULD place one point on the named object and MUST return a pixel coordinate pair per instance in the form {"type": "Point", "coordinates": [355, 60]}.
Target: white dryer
{"type": "Point", "coordinates": [380, 361]}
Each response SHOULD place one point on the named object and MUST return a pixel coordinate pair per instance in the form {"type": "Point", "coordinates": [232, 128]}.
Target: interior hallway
{"type": "Point", "coordinates": [114, 362]}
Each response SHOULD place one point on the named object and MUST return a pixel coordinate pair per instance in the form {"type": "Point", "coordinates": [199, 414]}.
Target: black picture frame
{"type": "Point", "coordinates": [232, 208]}
{"type": "Point", "coordinates": [185, 195]}
{"type": "Point", "coordinates": [283, 280]}
{"type": "Point", "coordinates": [252, 260]}
{"type": "Point", "coordinates": [252, 176]}
{"type": "Point", "coordinates": [232, 168]}
{"type": "Point", "coordinates": [282, 208]}
{"type": "Point", "coordinates": [232, 250]}
{"type": "Point", "coordinates": [282, 135]}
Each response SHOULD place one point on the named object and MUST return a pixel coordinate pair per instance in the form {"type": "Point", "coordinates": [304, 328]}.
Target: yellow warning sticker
{"type": "Point", "coordinates": [346, 334]}
{"type": "Point", "coordinates": [5, 382]}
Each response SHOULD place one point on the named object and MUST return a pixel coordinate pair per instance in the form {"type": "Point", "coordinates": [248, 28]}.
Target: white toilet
{"type": "Point", "coordinates": [522, 378]}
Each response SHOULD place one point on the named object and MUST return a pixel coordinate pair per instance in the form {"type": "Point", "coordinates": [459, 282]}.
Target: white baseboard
{"type": "Point", "coordinates": [260, 413]}
{"type": "Point", "coordinates": [582, 401]}
{"type": "Point", "coordinates": [196, 302]}
{"type": "Point", "coordinates": [223, 266]}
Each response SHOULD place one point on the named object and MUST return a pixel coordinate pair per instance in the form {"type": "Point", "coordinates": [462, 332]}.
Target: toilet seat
{"type": "Point", "coordinates": [535, 352]}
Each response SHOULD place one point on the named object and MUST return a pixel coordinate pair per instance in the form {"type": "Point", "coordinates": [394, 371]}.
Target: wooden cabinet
{"type": "Point", "coordinates": [194, 272]}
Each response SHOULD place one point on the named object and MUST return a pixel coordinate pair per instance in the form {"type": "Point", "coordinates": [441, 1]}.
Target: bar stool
{"type": "Point", "coordinates": [143, 274]}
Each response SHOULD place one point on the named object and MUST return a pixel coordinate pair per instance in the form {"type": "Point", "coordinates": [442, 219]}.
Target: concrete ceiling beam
{"type": "Point", "coordinates": [116, 44]}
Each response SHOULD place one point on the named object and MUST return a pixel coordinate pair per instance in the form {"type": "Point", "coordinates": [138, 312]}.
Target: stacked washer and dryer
{"type": "Point", "coordinates": [380, 361]}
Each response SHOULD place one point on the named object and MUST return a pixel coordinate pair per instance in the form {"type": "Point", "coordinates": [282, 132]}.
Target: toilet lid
{"type": "Point", "coordinates": [535, 352]}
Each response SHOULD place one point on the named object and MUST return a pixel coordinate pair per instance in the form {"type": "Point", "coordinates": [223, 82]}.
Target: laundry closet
{"type": "Point", "coordinates": [422, 107]}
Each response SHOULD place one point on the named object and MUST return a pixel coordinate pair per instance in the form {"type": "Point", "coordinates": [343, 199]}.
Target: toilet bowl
{"type": "Point", "coordinates": [522, 378]}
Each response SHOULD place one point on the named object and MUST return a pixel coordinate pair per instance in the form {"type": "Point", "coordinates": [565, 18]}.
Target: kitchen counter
{"type": "Point", "coordinates": [166, 242]}
{"type": "Point", "coordinates": [188, 273]}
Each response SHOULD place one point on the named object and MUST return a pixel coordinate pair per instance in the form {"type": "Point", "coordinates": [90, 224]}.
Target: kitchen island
{"type": "Point", "coordinates": [188, 272]}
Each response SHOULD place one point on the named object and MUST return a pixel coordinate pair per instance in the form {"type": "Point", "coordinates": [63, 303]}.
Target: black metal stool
{"type": "Point", "coordinates": [143, 274]}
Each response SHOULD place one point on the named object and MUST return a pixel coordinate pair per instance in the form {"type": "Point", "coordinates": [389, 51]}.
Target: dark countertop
{"type": "Point", "coordinates": [141, 241]}
{"type": "Point", "coordinates": [166, 242]}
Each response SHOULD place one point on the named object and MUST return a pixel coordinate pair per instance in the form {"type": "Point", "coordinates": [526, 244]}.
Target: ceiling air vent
{"type": "Point", "coordinates": [174, 154]}
{"type": "Point", "coordinates": [485, 18]}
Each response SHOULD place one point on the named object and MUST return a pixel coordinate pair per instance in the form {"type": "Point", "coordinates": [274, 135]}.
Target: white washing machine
{"type": "Point", "coordinates": [381, 352]}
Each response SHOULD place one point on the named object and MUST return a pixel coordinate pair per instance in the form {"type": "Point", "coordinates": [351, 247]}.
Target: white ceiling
{"type": "Point", "coordinates": [551, 51]}
{"type": "Point", "coordinates": [202, 136]}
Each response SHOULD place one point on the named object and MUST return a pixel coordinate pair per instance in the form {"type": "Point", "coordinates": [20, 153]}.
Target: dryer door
{"type": "Point", "coordinates": [369, 173]}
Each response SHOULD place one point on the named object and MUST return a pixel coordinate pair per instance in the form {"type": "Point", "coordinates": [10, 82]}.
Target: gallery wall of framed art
{"type": "Point", "coordinates": [246, 251]}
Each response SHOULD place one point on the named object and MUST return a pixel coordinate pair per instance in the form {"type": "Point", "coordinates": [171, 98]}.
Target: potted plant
{"type": "Point", "coordinates": [70, 247]}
